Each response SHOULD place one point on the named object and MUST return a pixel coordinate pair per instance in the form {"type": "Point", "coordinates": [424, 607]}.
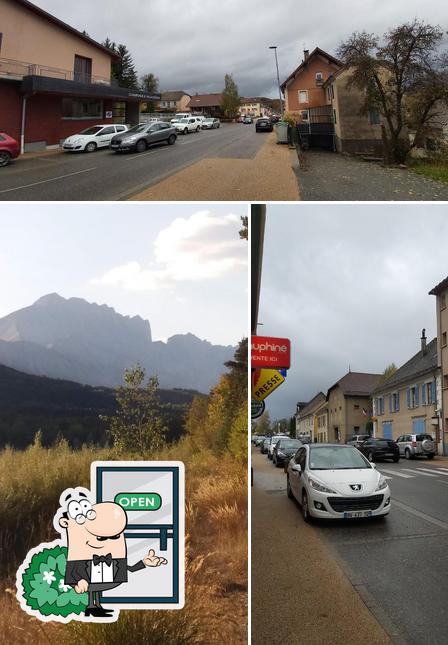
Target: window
{"type": "Point", "coordinates": [428, 393]}
{"type": "Point", "coordinates": [334, 116]}
{"type": "Point", "coordinates": [83, 69]}
{"type": "Point", "coordinates": [305, 115]}
{"type": "Point", "coordinates": [303, 96]}
{"type": "Point", "coordinates": [319, 76]}
{"type": "Point", "coordinates": [412, 397]}
{"type": "Point", "coordinates": [445, 381]}
{"type": "Point", "coordinates": [120, 128]}
{"type": "Point", "coordinates": [81, 109]}
{"type": "Point", "coordinates": [394, 402]}
{"type": "Point", "coordinates": [329, 93]}
{"type": "Point", "coordinates": [109, 130]}
{"type": "Point", "coordinates": [442, 301]}
{"type": "Point", "coordinates": [374, 117]}
{"type": "Point", "coordinates": [356, 407]}
{"type": "Point", "coordinates": [379, 405]}
{"type": "Point", "coordinates": [444, 339]}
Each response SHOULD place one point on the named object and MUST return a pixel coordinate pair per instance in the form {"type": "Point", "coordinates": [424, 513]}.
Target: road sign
{"type": "Point", "coordinates": [257, 409]}
{"type": "Point", "coordinates": [270, 352]}
{"type": "Point", "coordinates": [264, 382]}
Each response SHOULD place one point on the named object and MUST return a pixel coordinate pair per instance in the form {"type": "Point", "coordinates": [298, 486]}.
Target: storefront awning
{"type": "Point", "coordinates": [49, 85]}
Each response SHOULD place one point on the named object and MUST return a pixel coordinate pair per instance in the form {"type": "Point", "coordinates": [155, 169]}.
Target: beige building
{"type": "Point", "coordinates": [349, 405]}
{"type": "Point", "coordinates": [353, 131]}
{"type": "Point", "coordinates": [306, 419]}
{"type": "Point", "coordinates": [174, 101]}
{"type": "Point", "coordinates": [408, 401]}
{"type": "Point", "coordinates": [254, 107]}
{"type": "Point", "coordinates": [441, 293]}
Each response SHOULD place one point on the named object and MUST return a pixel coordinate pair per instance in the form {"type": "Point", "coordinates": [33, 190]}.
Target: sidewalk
{"type": "Point", "coordinates": [267, 177]}
{"type": "Point", "coordinates": [299, 593]}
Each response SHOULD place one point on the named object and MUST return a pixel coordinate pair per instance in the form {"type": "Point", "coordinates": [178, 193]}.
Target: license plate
{"type": "Point", "coordinates": [352, 514]}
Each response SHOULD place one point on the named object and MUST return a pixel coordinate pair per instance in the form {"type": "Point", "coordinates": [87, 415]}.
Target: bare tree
{"type": "Point", "coordinates": [404, 77]}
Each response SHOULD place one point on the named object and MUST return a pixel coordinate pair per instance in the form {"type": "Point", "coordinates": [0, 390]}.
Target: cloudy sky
{"type": "Point", "coordinates": [182, 267]}
{"type": "Point", "coordinates": [348, 284]}
{"type": "Point", "coordinates": [191, 44]}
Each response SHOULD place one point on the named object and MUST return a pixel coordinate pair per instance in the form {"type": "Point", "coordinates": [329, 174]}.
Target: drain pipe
{"type": "Point", "coordinates": [22, 131]}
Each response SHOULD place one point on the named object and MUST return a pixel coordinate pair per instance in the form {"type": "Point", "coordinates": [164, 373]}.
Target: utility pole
{"type": "Point", "coordinates": [274, 47]}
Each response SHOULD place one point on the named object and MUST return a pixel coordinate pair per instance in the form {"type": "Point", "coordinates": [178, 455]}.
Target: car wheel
{"type": "Point", "coordinates": [171, 139]}
{"type": "Point", "coordinates": [197, 129]}
{"type": "Point", "coordinates": [90, 147]}
{"type": "Point", "coordinates": [141, 145]}
{"type": "Point", "coordinates": [5, 157]}
{"type": "Point", "coordinates": [430, 456]}
{"type": "Point", "coordinates": [288, 489]}
{"type": "Point", "coordinates": [407, 453]}
{"type": "Point", "coordinates": [396, 459]}
{"type": "Point", "coordinates": [305, 509]}
{"type": "Point", "coordinates": [274, 461]}
{"type": "Point", "coordinates": [218, 126]}
{"type": "Point", "coordinates": [185, 130]}
{"type": "Point", "coordinates": [370, 457]}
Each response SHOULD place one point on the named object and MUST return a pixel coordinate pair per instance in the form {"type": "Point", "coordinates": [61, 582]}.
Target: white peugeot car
{"type": "Point", "coordinates": [97, 136]}
{"type": "Point", "coordinates": [333, 481]}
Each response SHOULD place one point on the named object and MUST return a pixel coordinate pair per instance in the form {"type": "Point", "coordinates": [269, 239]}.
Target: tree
{"type": "Point", "coordinates": [123, 70]}
{"type": "Point", "coordinates": [150, 84]}
{"type": "Point", "coordinates": [404, 77]}
{"type": "Point", "coordinates": [138, 424]}
{"type": "Point", "coordinates": [388, 372]}
{"type": "Point", "coordinates": [244, 232]}
{"type": "Point", "coordinates": [230, 103]}
{"type": "Point", "coordinates": [264, 426]}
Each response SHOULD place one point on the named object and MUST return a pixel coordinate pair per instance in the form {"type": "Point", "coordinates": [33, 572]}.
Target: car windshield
{"type": "Point", "coordinates": [336, 458]}
{"type": "Point", "coordinates": [208, 120]}
{"type": "Point", "coordinates": [289, 444]}
{"type": "Point", "coordinates": [93, 130]}
{"type": "Point", "coordinates": [185, 120]}
{"type": "Point", "coordinates": [141, 127]}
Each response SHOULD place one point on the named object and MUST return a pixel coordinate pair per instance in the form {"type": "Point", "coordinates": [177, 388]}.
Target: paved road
{"type": "Point", "coordinates": [104, 175]}
{"type": "Point", "coordinates": [326, 176]}
{"type": "Point", "coordinates": [400, 566]}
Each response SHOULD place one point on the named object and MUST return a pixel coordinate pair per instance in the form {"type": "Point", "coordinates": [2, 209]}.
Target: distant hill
{"type": "Point", "coordinates": [61, 408]}
{"type": "Point", "coordinates": [93, 344]}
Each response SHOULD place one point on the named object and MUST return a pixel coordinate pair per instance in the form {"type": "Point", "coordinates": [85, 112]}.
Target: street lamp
{"type": "Point", "coordinates": [274, 47]}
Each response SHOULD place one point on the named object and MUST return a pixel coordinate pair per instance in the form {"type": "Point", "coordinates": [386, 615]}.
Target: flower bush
{"type": "Point", "coordinates": [43, 586]}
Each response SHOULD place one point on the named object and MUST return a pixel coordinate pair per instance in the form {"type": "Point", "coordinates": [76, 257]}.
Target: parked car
{"type": "Point", "coordinates": [356, 439]}
{"type": "Point", "coordinates": [210, 124]}
{"type": "Point", "coordinates": [273, 440]}
{"type": "Point", "coordinates": [335, 481]}
{"type": "Point", "coordinates": [379, 448]}
{"type": "Point", "coordinates": [190, 124]}
{"type": "Point", "coordinates": [141, 136]}
{"type": "Point", "coordinates": [257, 439]}
{"type": "Point", "coordinates": [283, 450]}
{"type": "Point", "coordinates": [263, 125]}
{"type": "Point", "coordinates": [275, 118]}
{"type": "Point", "coordinates": [264, 445]}
{"type": "Point", "coordinates": [416, 445]}
{"type": "Point", "coordinates": [179, 116]}
{"type": "Point", "coordinates": [97, 136]}
{"type": "Point", "coordinates": [247, 119]}
{"type": "Point", "coordinates": [304, 438]}
{"type": "Point", "coordinates": [9, 149]}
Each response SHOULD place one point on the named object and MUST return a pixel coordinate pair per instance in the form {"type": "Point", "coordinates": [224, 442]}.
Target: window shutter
{"type": "Point", "coordinates": [433, 392]}
{"type": "Point", "coordinates": [398, 401]}
{"type": "Point", "coordinates": [408, 397]}
{"type": "Point", "coordinates": [417, 396]}
{"type": "Point", "coordinates": [424, 394]}
{"type": "Point", "coordinates": [390, 403]}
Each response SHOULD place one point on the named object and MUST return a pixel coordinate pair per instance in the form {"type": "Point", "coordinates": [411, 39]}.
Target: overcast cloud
{"type": "Point", "coordinates": [191, 44]}
{"type": "Point", "coordinates": [349, 286]}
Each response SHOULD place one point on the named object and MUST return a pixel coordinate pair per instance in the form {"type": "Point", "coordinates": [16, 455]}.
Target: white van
{"type": "Point", "coordinates": [180, 115]}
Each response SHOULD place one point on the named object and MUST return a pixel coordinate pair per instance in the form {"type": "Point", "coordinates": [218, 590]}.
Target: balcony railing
{"type": "Point", "coordinates": [16, 69]}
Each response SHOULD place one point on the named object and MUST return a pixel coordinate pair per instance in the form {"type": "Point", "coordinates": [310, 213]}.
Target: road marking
{"type": "Point", "coordinates": [398, 474]}
{"type": "Point", "coordinates": [440, 468]}
{"type": "Point", "coordinates": [433, 470]}
{"type": "Point", "coordinates": [418, 472]}
{"type": "Point", "coordinates": [423, 516]}
{"type": "Point", "coordinates": [443, 481]}
{"type": "Point", "coordinates": [387, 477]}
{"type": "Point", "coordinates": [46, 181]}
{"type": "Point", "coordinates": [144, 154]}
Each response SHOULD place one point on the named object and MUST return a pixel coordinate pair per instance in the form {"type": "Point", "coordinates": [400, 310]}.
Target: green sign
{"type": "Point", "coordinates": [139, 501]}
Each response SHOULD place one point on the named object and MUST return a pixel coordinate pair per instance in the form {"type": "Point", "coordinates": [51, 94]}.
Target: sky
{"type": "Point", "coordinates": [191, 44]}
{"type": "Point", "coordinates": [348, 284]}
{"type": "Point", "coordinates": [182, 267]}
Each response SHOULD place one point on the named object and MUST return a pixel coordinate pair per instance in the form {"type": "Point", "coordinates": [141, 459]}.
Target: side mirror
{"type": "Point", "coordinates": [373, 465]}
{"type": "Point", "coordinates": [297, 468]}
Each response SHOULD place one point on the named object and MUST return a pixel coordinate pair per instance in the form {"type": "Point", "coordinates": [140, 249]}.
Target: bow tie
{"type": "Point", "coordinates": [102, 558]}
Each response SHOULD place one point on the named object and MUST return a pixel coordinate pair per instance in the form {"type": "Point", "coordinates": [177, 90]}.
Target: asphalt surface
{"type": "Point", "coordinates": [327, 176]}
{"type": "Point", "coordinates": [398, 566]}
{"type": "Point", "coordinates": [104, 175]}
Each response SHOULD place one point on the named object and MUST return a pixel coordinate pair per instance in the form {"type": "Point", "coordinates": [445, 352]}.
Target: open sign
{"type": "Point", "coordinates": [139, 501]}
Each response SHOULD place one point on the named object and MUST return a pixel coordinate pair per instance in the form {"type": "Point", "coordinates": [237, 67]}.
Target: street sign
{"type": "Point", "coordinates": [264, 382]}
{"type": "Point", "coordinates": [257, 408]}
{"type": "Point", "coordinates": [270, 352]}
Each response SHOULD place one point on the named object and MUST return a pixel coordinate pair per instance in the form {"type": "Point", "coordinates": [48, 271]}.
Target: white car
{"type": "Point", "coordinates": [335, 481]}
{"type": "Point", "coordinates": [190, 124]}
{"type": "Point", "coordinates": [97, 136]}
{"type": "Point", "coordinates": [273, 441]}
{"type": "Point", "coordinates": [179, 116]}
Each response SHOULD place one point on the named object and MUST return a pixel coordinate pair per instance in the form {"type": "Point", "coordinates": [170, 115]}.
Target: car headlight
{"type": "Point", "coordinates": [320, 487]}
{"type": "Point", "coordinates": [280, 453]}
{"type": "Point", "coordinates": [382, 483]}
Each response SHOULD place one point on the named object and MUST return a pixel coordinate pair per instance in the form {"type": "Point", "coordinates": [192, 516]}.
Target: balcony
{"type": "Point", "coordinates": [17, 70]}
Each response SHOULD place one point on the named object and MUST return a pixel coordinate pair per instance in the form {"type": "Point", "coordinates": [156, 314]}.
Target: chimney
{"type": "Point", "coordinates": [423, 339]}
{"type": "Point", "coordinates": [306, 54]}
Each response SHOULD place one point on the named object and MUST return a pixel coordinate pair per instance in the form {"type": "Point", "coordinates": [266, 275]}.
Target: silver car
{"type": "Point", "coordinates": [357, 439]}
{"type": "Point", "coordinates": [416, 445]}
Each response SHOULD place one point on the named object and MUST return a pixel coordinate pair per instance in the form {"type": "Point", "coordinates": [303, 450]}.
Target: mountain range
{"type": "Point", "coordinates": [93, 344]}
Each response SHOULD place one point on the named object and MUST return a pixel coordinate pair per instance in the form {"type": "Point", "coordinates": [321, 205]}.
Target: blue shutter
{"type": "Point", "coordinates": [417, 396]}
{"type": "Point", "coordinates": [408, 397]}
{"type": "Point", "coordinates": [398, 401]}
{"type": "Point", "coordinates": [424, 401]}
{"type": "Point", "coordinates": [433, 392]}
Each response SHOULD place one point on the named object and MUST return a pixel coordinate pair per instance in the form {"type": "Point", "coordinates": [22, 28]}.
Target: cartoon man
{"type": "Point", "coordinates": [96, 558]}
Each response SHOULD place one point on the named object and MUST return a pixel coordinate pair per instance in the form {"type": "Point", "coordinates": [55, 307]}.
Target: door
{"type": "Point", "coordinates": [152, 494]}
{"type": "Point", "coordinates": [83, 69]}
{"type": "Point", "coordinates": [387, 429]}
{"type": "Point", "coordinates": [104, 136]}
{"type": "Point", "coordinates": [294, 476]}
